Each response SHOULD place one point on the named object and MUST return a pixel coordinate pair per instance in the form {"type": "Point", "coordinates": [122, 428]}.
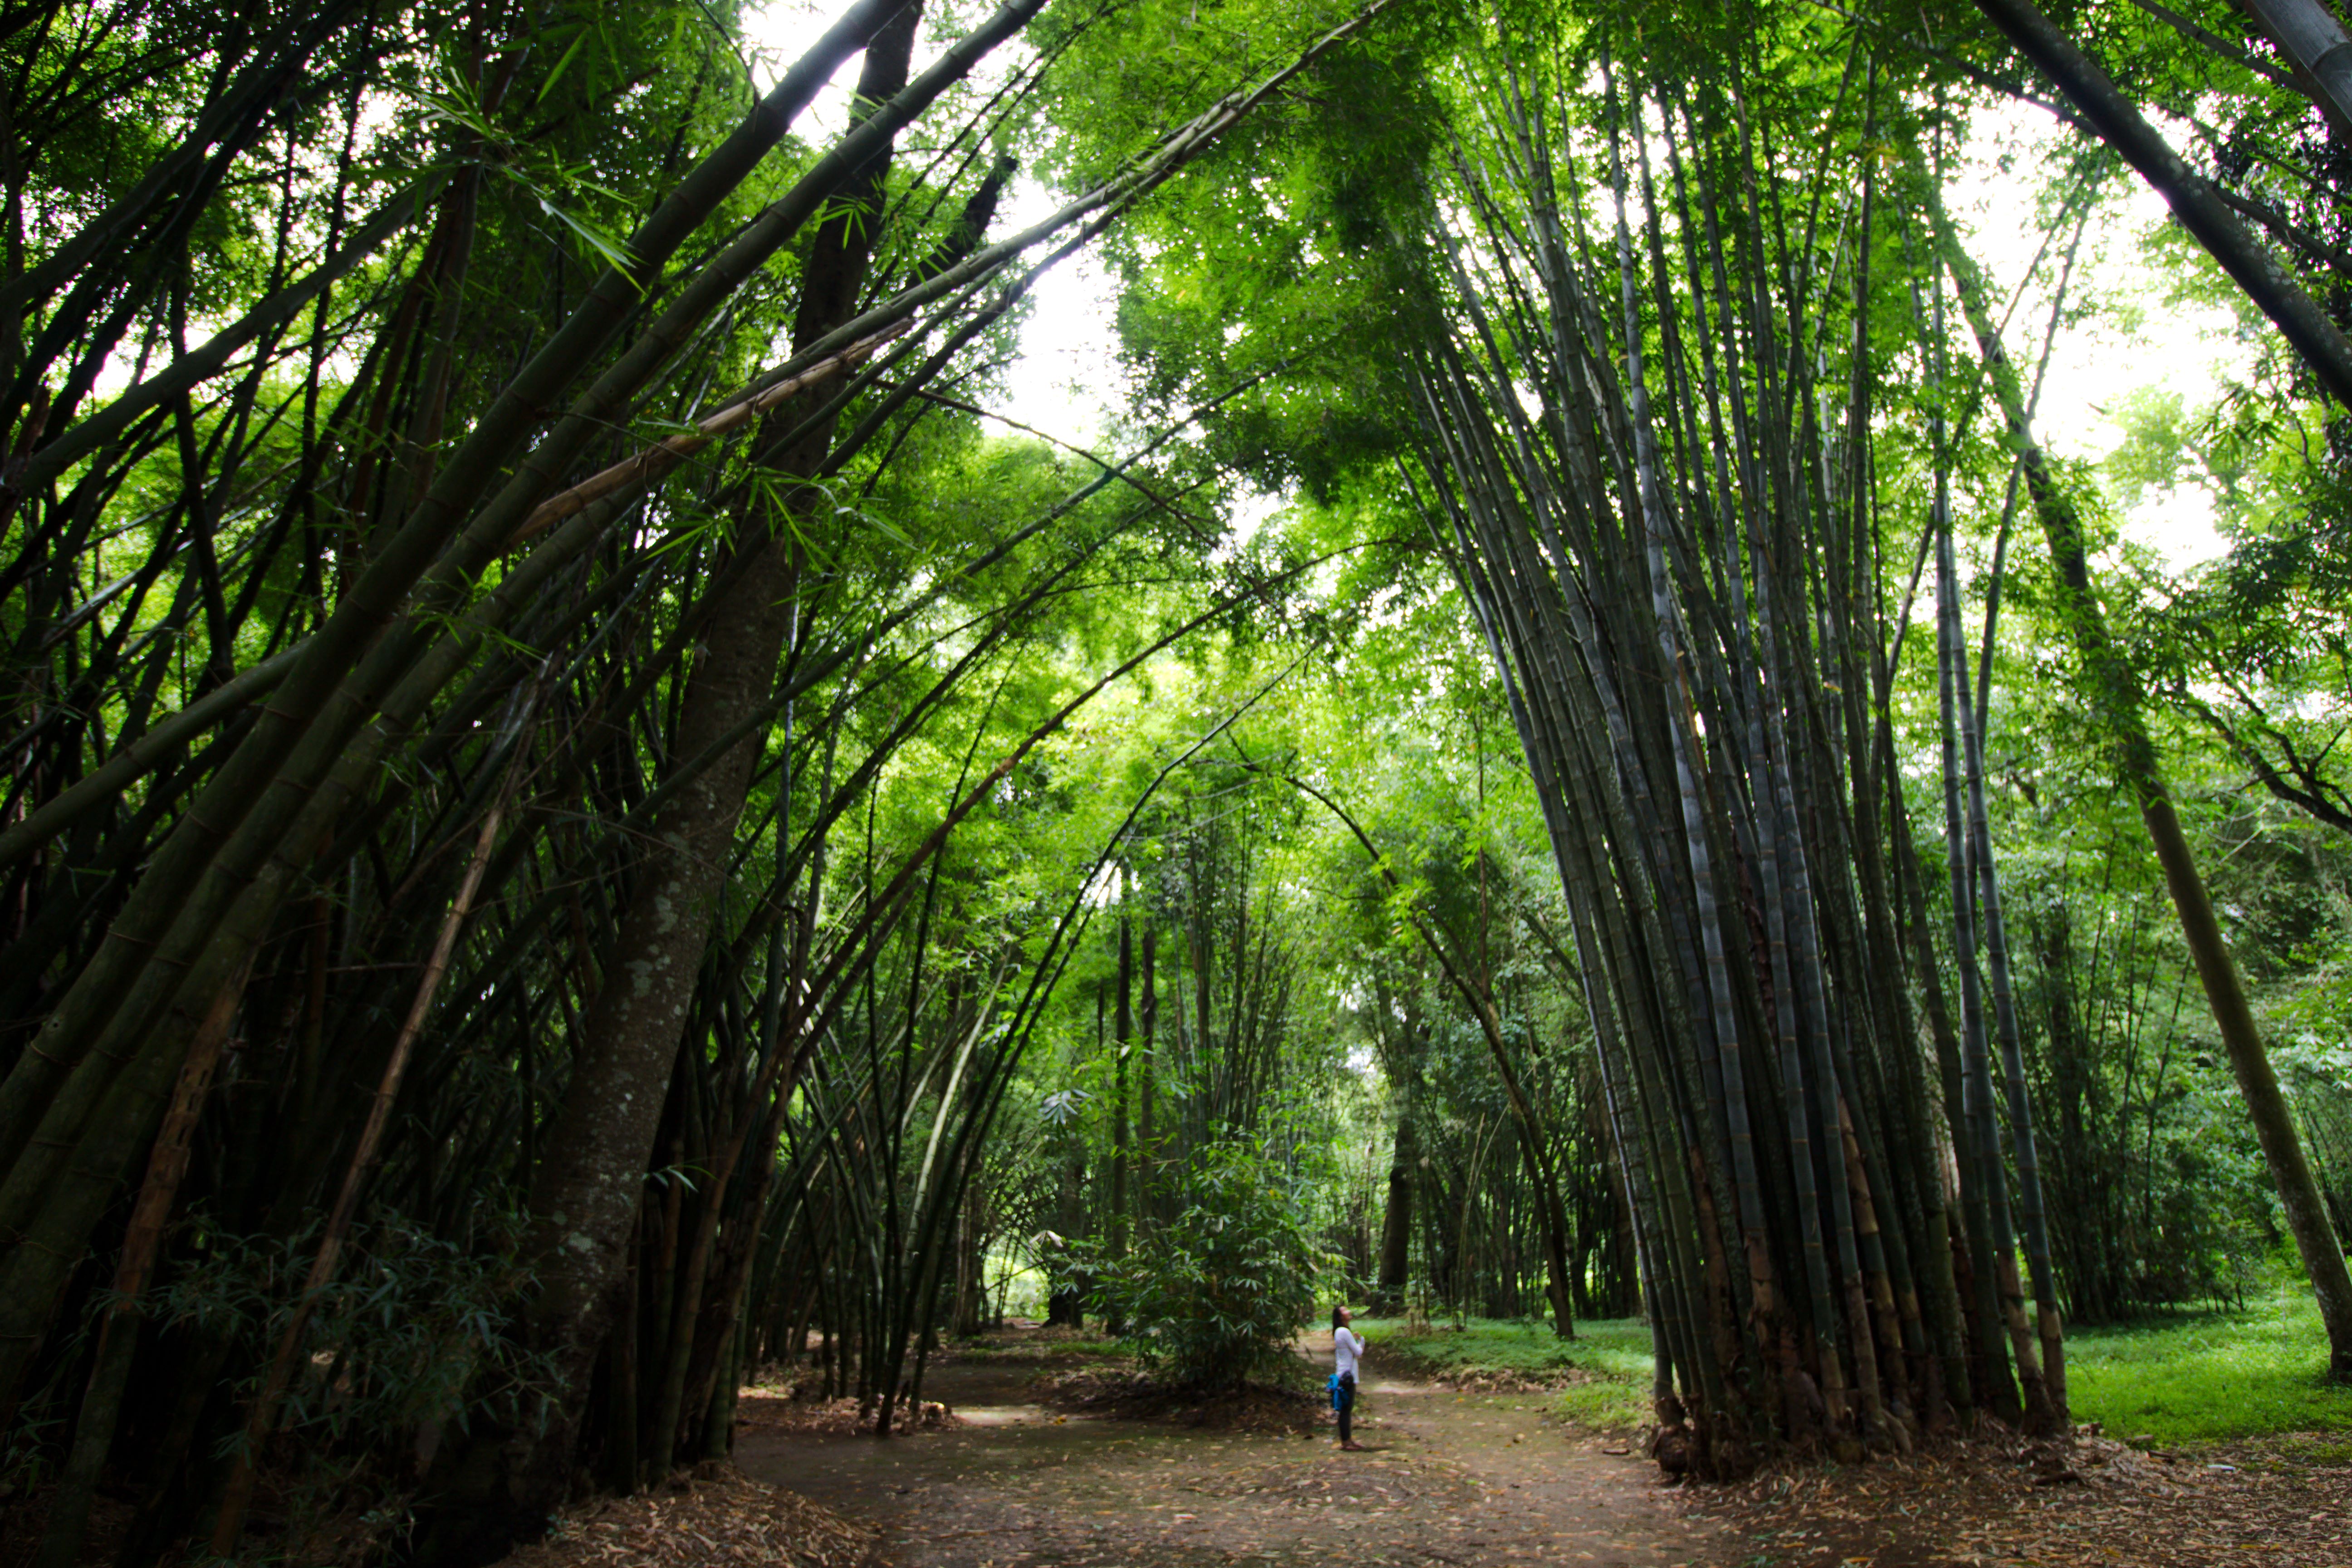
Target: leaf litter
{"type": "Point", "coordinates": [1463, 1484]}
{"type": "Point", "coordinates": [2002, 1501]}
{"type": "Point", "coordinates": [1137, 1396]}
{"type": "Point", "coordinates": [717, 1518]}
{"type": "Point", "coordinates": [788, 1412]}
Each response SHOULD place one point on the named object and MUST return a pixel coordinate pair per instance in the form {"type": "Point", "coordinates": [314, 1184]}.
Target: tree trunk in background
{"type": "Point", "coordinates": [1065, 1308]}
{"type": "Point", "coordinates": [2032, 1217]}
{"type": "Point", "coordinates": [2117, 699]}
{"type": "Point", "coordinates": [1123, 1040]}
{"type": "Point", "coordinates": [504, 1480]}
{"type": "Point", "coordinates": [1993, 1249]}
{"type": "Point", "coordinates": [1396, 1224]}
{"type": "Point", "coordinates": [1945, 1236]}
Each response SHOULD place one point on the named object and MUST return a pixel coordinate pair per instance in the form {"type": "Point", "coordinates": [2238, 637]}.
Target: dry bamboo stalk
{"type": "Point", "coordinates": [239, 1492]}
{"type": "Point", "coordinates": [167, 1166]}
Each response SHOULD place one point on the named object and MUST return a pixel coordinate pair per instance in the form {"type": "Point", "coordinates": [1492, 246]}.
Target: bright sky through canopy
{"type": "Point", "coordinates": [1067, 381]}
{"type": "Point", "coordinates": [1067, 377]}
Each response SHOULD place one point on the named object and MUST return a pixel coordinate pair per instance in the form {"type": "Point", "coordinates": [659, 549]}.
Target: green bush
{"type": "Point", "coordinates": [1215, 1297]}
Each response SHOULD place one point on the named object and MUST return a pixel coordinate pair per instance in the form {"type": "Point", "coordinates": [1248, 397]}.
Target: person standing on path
{"type": "Point", "coordinates": [1346, 1346]}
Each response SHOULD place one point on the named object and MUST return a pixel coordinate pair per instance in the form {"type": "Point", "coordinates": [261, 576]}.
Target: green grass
{"type": "Point", "coordinates": [2210, 1377]}
{"type": "Point", "coordinates": [2194, 1377]}
{"type": "Point", "coordinates": [1614, 1355]}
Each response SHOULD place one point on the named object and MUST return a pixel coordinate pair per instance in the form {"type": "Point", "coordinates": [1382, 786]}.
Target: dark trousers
{"type": "Point", "coordinates": [1346, 1405]}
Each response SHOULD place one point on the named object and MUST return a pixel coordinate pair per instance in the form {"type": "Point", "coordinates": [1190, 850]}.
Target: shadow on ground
{"type": "Point", "coordinates": [1446, 1478]}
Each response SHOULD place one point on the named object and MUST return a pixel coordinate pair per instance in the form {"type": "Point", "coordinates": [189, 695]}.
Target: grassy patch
{"type": "Point", "coordinates": [1613, 1358]}
{"type": "Point", "coordinates": [2194, 1377]}
{"type": "Point", "coordinates": [2210, 1377]}
{"type": "Point", "coordinates": [1617, 1353]}
{"type": "Point", "coordinates": [1483, 1345]}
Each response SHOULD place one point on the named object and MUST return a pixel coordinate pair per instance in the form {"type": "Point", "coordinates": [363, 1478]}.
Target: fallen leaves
{"type": "Point", "coordinates": [721, 1518]}
{"type": "Point", "coordinates": [1135, 1397]}
{"type": "Point", "coordinates": [2000, 1501]}
{"type": "Point", "coordinates": [835, 1418]}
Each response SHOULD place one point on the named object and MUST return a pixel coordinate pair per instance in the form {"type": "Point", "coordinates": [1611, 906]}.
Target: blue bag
{"type": "Point", "coordinates": [1335, 1390]}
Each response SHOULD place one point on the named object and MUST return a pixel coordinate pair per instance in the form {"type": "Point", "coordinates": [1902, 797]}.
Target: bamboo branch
{"type": "Point", "coordinates": [2193, 197]}
{"type": "Point", "coordinates": [654, 461]}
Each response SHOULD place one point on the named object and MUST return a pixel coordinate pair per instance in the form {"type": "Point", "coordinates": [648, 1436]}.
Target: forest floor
{"type": "Point", "coordinates": [1460, 1471]}
{"type": "Point", "coordinates": [1444, 1477]}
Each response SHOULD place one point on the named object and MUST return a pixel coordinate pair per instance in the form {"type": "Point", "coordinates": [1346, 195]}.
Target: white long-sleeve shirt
{"type": "Point", "coordinates": [1346, 1346]}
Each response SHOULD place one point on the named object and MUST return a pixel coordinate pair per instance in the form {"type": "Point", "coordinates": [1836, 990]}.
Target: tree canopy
{"type": "Point", "coordinates": [589, 811]}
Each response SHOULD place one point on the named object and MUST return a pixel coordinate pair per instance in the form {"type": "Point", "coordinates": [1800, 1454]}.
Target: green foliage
{"type": "Point", "coordinates": [400, 1334]}
{"type": "Point", "coordinates": [1215, 1297]}
{"type": "Point", "coordinates": [1295, 264]}
{"type": "Point", "coordinates": [1478, 1347]}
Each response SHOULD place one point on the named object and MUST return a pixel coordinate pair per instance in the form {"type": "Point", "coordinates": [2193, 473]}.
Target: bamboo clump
{"type": "Point", "coordinates": [1644, 393]}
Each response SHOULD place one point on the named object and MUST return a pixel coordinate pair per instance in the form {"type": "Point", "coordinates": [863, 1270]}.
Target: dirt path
{"type": "Point", "coordinates": [1446, 1478]}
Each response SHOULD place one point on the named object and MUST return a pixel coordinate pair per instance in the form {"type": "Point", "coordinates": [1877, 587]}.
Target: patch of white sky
{"type": "Point", "coordinates": [1067, 381]}
{"type": "Point", "coordinates": [1069, 384]}
{"type": "Point", "coordinates": [2134, 340]}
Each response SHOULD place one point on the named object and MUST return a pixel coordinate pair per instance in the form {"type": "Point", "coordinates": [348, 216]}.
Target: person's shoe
{"type": "Point", "coordinates": [1351, 1447]}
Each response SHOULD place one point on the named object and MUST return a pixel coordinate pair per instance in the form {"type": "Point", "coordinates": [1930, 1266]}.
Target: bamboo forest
{"type": "Point", "coordinates": [1175, 783]}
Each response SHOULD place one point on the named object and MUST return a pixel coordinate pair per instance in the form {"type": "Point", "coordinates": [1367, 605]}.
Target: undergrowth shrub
{"type": "Point", "coordinates": [412, 1336]}
{"type": "Point", "coordinates": [1215, 1297]}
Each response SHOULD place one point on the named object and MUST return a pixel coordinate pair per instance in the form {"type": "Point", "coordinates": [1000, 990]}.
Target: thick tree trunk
{"type": "Point", "coordinates": [584, 1197]}
{"type": "Point", "coordinates": [1396, 1222]}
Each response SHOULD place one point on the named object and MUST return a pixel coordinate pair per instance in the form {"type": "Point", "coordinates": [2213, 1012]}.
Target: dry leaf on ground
{"type": "Point", "coordinates": [721, 1518]}
{"type": "Point", "coordinates": [2002, 1500]}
